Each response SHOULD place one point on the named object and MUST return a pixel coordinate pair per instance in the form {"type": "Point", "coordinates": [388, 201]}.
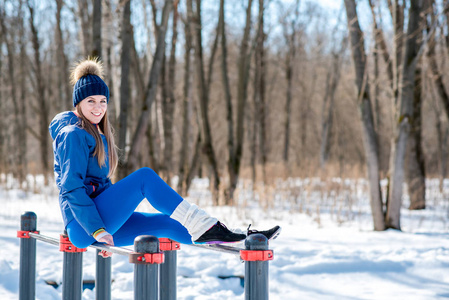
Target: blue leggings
{"type": "Point", "coordinates": [116, 207]}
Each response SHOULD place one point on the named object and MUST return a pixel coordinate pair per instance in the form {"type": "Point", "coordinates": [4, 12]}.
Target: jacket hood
{"type": "Point", "coordinates": [60, 121]}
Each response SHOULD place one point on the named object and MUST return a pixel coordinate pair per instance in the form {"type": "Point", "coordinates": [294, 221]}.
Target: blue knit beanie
{"type": "Point", "coordinates": [88, 82]}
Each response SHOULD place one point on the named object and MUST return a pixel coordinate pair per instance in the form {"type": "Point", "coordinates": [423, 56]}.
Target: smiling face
{"type": "Point", "coordinates": [94, 108]}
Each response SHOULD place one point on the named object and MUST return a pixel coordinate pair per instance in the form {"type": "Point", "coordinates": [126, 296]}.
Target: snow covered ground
{"type": "Point", "coordinates": [327, 249]}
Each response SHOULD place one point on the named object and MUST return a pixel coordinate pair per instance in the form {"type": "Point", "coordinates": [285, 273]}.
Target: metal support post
{"type": "Point", "coordinates": [146, 269]}
{"type": "Point", "coordinates": [72, 272]}
{"type": "Point", "coordinates": [168, 269]}
{"type": "Point", "coordinates": [103, 278]}
{"type": "Point", "coordinates": [27, 277]}
{"type": "Point", "coordinates": [256, 258]}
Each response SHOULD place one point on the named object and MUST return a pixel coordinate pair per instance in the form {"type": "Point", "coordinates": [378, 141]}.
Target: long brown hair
{"type": "Point", "coordinates": [108, 132]}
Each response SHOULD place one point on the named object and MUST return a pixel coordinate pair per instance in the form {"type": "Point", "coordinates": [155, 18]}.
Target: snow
{"type": "Point", "coordinates": [327, 249]}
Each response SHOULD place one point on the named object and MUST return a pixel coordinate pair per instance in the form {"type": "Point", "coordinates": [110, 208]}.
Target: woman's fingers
{"type": "Point", "coordinates": [108, 240]}
{"type": "Point", "coordinates": [105, 254]}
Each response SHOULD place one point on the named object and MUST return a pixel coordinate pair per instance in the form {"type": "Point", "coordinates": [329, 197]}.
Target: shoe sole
{"type": "Point", "coordinates": [273, 237]}
{"type": "Point", "coordinates": [217, 242]}
{"type": "Point", "coordinates": [275, 234]}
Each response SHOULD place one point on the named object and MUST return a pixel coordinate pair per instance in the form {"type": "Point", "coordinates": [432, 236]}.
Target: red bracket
{"type": "Point", "coordinates": [65, 245]}
{"type": "Point", "coordinates": [25, 234]}
{"type": "Point", "coordinates": [256, 255]}
{"type": "Point", "coordinates": [168, 245]}
{"type": "Point", "coordinates": [146, 258]}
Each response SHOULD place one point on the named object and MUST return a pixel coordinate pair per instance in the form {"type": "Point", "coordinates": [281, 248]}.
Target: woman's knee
{"type": "Point", "coordinates": [145, 172]}
{"type": "Point", "coordinates": [78, 237]}
{"type": "Point", "coordinates": [81, 242]}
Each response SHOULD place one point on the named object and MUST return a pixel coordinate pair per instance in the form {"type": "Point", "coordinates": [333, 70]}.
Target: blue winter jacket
{"type": "Point", "coordinates": [77, 172]}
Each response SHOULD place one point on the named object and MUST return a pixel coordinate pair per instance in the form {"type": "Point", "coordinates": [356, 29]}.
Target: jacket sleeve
{"type": "Point", "coordinates": [73, 153]}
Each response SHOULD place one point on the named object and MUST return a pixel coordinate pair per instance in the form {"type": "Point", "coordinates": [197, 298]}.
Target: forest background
{"type": "Point", "coordinates": [242, 92]}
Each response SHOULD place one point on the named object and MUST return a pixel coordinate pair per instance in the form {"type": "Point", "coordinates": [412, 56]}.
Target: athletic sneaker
{"type": "Point", "coordinates": [219, 234]}
{"type": "Point", "coordinates": [270, 234]}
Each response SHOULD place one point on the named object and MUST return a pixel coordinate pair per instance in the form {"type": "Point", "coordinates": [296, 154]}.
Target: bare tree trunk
{"type": "Point", "coordinates": [152, 151]}
{"type": "Point", "coordinates": [83, 15]}
{"type": "Point", "coordinates": [254, 152]}
{"type": "Point", "coordinates": [443, 136]}
{"type": "Point", "coordinates": [140, 91]}
{"type": "Point", "coordinates": [415, 172]}
{"type": "Point", "coordinates": [397, 14]}
{"type": "Point", "coordinates": [213, 52]}
{"type": "Point", "coordinates": [441, 130]}
{"type": "Point", "coordinates": [160, 110]}
{"type": "Point", "coordinates": [150, 92]}
{"type": "Point", "coordinates": [234, 149]}
{"type": "Point", "coordinates": [233, 173]}
{"type": "Point", "coordinates": [304, 113]}
{"type": "Point", "coordinates": [364, 102]}
{"type": "Point", "coordinates": [332, 81]}
{"type": "Point", "coordinates": [17, 167]}
{"type": "Point", "coordinates": [235, 145]}
{"type": "Point", "coordinates": [242, 88]}
{"type": "Point", "coordinates": [63, 65]}
{"type": "Point", "coordinates": [259, 89]}
{"type": "Point", "coordinates": [446, 14]}
{"type": "Point", "coordinates": [126, 37]}
{"type": "Point", "coordinates": [2, 119]}
{"type": "Point", "coordinates": [327, 116]}
{"type": "Point", "coordinates": [381, 45]}
{"type": "Point", "coordinates": [171, 100]}
{"type": "Point", "coordinates": [23, 96]}
{"type": "Point", "coordinates": [290, 40]}
{"type": "Point", "coordinates": [195, 162]}
{"type": "Point", "coordinates": [234, 159]}
{"type": "Point", "coordinates": [288, 102]}
{"type": "Point", "coordinates": [186, 108]}
{"type": "Point", "coordinates": [433, 64]}
{"type": "Point", "coordinates": [155, 138]}
{"type": "Point", "coordinates": [378, 39]}
{"type": "Point", "coordinates": [444, 152]}
{"type": "Point", "coordinates": [405, 110]}
{"type": "Point", "coordinates": [108, 60]}
{"type": "Point", "coordinates": [154, 11]}
{"type": "Point", "coordinates": [203, 97]}
{"type": "Point", "coordinates": [195, 165]}
{"type": "Point", "coordinates": [42, 107]}
{"type": "Point", "coordinates": [96, 28]}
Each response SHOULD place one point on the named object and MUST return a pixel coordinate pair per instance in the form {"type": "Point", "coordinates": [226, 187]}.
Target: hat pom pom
{"type": "Point", "coordinates": [87, 67]}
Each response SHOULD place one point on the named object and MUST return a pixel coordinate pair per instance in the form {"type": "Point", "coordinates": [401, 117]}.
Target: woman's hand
{"type": "Point", "coordinates": [108, 240]}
